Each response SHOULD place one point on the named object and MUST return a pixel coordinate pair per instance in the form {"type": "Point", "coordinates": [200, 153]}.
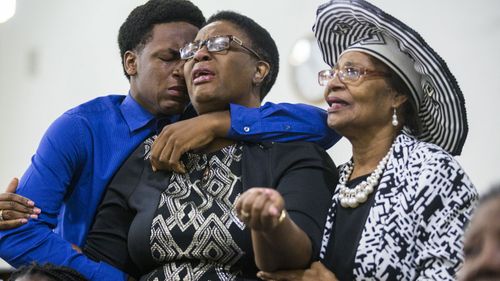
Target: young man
{"type": "Point", "coordinates": [82, 150]}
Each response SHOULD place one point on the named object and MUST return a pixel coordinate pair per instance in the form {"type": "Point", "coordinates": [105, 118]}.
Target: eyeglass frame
{"type": "Point", "coordinates": [232, 38]}
{"type": "Point", "coordinates": [363, 72]}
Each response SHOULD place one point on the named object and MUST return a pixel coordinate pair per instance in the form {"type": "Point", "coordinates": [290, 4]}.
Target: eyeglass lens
{"type": "Point", "coordinates": [214, 44]}
{"type": "Point", "coordinates": [346, 74]}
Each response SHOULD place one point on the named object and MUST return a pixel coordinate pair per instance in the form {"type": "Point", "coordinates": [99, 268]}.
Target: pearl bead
{"type": "Point", "coordinates": [369, 188]}
{"type": "Point", "coordinates": [343, 202]}
{"type": "Point", "coordinates": [351, 198]}
{"type": "Point", "coordinates": [361, 197]}
{"type": "Point", "coordinates": [372, 181]}
{"type": "Point", "coordinates": [353, 203]}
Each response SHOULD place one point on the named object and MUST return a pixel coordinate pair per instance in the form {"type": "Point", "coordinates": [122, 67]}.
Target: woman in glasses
{"type": "Point", "coordinates": [402, 201]}
{"type": "Point", "coordinates": [239, 206]}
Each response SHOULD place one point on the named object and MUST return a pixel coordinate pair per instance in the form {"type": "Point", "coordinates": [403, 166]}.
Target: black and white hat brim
{"type": "Point", "coordinates": [341, 24]}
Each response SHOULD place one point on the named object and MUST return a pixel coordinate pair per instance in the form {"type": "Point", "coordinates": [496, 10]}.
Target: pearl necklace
{"type": "Point", "coordinates": [352, 197]}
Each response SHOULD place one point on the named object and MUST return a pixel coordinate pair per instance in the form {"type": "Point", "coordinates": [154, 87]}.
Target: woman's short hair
{"type": "Point", "coordinates": [261, 42]}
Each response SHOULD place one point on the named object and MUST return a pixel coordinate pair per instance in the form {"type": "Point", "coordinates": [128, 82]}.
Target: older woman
{"type": "Point", "coordinates": [402, 201]}
{"type": "Point", "coordinates": [172, 226]}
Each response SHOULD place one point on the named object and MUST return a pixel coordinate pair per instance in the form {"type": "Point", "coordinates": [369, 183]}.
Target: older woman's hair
{"type": "Point", "coordinates": [261, 42]}
{"type": "Point", "coordinates": [49, 271]}
{"type": "Point", "coordinates": [398, 85]}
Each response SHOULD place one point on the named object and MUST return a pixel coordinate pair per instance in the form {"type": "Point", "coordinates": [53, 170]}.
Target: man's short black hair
{"type": "Point", "coordinates": [136, 31]}
{"type": "Point", "coordinates": [261, 42]}
{"type": "Point", "coordinates": [49, 271]}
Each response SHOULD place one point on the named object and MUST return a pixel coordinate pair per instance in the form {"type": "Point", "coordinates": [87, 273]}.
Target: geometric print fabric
{"type": "Point", "coordinates": [195, 232]}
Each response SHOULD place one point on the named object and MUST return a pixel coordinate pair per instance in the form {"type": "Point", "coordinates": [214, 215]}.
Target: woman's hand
{"type": "Point", "coordinates": [15, 210]}
{"type": "Point", "coordinates": [261, 209]}
{"type": "Point", "coordinates": [317, 272]}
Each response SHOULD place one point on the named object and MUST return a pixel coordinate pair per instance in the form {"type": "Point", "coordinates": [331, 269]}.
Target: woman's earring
{"type": "Point", "coordinates": [395, 118]}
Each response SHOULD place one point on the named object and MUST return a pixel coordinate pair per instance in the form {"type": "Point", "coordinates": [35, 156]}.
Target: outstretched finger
{"type": "Point", "coordinates": [9, 224]}
{"type": "Point", "coordinates": [11, 188]}
{"type": "Point", "coordinates": [12, 201]}
{"type": "Point", "coordinates": [8, 215]}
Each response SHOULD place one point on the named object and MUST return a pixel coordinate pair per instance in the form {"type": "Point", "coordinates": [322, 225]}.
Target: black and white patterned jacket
{"type": "Point", "coordinates": [414, 230]}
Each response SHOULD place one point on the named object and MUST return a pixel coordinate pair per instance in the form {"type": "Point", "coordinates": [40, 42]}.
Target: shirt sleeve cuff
{"type": "Point", "coordinates": [244, 121]}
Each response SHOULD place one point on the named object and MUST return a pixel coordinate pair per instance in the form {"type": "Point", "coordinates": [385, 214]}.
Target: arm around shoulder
{"type": "Point", "coordinates": [283, 122]}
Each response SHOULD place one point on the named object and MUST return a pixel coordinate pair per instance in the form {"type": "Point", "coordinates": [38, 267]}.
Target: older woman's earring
{"type": "Point", "coordinates": [395, 118]}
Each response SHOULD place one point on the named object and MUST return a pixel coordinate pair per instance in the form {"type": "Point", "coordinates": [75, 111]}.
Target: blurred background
{"type": "Point", "coordinates": [56, 54]}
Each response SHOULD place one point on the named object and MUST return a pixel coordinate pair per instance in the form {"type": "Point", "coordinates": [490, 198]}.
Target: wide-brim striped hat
{"type": "Point", "coordinates": [356, 24]}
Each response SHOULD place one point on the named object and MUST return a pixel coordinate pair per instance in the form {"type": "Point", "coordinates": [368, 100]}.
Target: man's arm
{"type": "Point", "coordinates": [49, 179]}
{"type": "Point", "coordinates": [35, 241]}
{"type": "Point", "coordinates": [271, 122]}
{"type": "Point", "coordinates": [282, 122]}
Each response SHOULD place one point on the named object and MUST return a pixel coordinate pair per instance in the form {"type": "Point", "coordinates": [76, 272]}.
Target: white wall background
{"type": "Point", "coordinates": [56, 54]}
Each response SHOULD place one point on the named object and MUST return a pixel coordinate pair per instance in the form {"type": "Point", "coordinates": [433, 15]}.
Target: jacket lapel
{"type": "Point", "coordinates": [376, 240]}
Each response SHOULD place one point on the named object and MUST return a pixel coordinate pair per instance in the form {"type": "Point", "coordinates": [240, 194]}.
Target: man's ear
{"type": "Point", "coordinates": [130, 63]}
{"type": "Point", "coordinates": [261, 71]}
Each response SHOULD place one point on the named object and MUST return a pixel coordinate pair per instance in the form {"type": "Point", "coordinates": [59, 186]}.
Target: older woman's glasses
{"type": "Point", "coordinates": [214, 44]}
{"type": "Point", "coordinates": [347, 74]}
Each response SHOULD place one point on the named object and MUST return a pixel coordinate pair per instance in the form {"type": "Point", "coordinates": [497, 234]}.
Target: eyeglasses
{"type": "Point", "coordinates": [214, 44]}
{"type": "Point", "coordinates": [347, 74]}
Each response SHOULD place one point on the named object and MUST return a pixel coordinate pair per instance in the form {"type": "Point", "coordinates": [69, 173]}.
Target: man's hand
{"type": "Point", "coordinates": [183, 136]}
{"type": "Point", "coordinates": [317, 272]}
{"type": "Point", "coordinates": [15, 210]}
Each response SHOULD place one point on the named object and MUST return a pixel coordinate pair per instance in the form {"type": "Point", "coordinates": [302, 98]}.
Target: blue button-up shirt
{"type": "Point", "coordinates": [82, 150]}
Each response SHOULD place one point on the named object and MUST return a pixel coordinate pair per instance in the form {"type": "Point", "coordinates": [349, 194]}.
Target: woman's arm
{"type": "Point", "coordinates": [304, 178]}
{"type": "Point", "coordinates": [278, 243]}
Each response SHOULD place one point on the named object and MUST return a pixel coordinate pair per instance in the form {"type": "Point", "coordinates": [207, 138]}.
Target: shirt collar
{"type": "Point", "coordinates": [135, 115]}
{"type": "Point", "coordinates": [138, 117]}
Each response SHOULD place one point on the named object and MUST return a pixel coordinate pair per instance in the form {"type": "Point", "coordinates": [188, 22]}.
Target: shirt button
{"type": "Point", "coordinates": [246, 129]}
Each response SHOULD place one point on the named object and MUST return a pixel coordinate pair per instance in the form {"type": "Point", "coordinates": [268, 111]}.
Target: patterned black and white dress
{"type": "Point", "coordinates": [414, 228]}
{"type": "Point", "coordinates": [167, 226]}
